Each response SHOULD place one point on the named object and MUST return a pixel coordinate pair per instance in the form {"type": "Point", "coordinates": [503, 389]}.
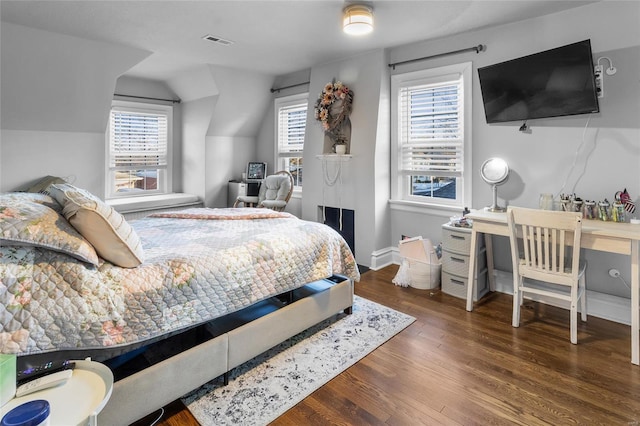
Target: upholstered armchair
{"type": "Point", "coordinates": [275, 192]}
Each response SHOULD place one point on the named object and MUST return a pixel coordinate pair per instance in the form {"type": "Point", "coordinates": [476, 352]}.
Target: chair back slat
{"type": "Point", "coordinates": [550, 241]}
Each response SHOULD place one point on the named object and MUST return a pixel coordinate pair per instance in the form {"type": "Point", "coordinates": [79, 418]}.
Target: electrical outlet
{"type": "Point", "coordinates": [597, 70]}
{"type": "Point", "coordinates": [614, 273]}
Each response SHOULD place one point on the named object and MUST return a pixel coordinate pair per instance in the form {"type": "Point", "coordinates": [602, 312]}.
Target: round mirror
{"type": "Point", "coordinates": [495, 171]}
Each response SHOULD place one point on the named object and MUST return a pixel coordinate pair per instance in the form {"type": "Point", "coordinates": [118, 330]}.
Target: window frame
{"type": "Point", "coordinates": [280, 155]}
{"type": "Point", "coordinates": [164, 182]}
{"type": "Point", "coordinates": [400, 181]}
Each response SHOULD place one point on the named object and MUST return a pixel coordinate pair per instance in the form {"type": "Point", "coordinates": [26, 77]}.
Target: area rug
{"type": "Point", "coordinates": [265, 387]}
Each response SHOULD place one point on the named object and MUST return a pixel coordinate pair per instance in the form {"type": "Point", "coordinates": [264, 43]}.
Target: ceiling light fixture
{"type": "Point", "coordinates": [357, 19]}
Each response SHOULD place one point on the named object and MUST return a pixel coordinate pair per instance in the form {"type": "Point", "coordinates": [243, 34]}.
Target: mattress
{"type": "Point", "coordinates": [199, 265]}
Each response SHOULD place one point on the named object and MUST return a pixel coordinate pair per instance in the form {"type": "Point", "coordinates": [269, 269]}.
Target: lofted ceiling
{"type": "Point", "coordinates": [273, 37]}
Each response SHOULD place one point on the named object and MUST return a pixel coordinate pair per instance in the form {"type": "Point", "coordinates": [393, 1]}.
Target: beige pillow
{"type": "Point", "coordinates": [106, 229]}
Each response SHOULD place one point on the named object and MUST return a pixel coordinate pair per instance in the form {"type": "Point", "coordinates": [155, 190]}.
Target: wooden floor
{"type": "Point", "coordinates": [454, 367]}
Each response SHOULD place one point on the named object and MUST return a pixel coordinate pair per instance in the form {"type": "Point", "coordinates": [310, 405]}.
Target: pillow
{"type": "Point", "coordinates": [24, 222]}
{"type": "Point", "coordinates": [40, 185]}
{"type": "Point", "coordinates": [106, 229]}
{"type": "Point", "coordinates": [34, 197]}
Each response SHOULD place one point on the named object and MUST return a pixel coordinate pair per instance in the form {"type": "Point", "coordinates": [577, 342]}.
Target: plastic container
{"type": "Point", "coordinates": [424, 276]}
{"type": "Point", "coordinates": [32, 413]}
{"type": "Point", "coordinates": [7, 378]}
{"type": "Point", "coordinates": [424, 265]}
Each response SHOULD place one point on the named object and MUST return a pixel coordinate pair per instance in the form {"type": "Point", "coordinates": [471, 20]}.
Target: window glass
{"type": "Point", "coordinates": [291, 123]}
{"type": "Point", "coordinates": [138, 140]}
{"type": "Point", "coordinates": [430, 135]}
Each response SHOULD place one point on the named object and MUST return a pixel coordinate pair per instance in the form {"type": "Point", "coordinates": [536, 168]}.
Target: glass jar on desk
{"type": "Point", "coordinates": [590, 210]}
{"type": "Point", "coordinates": [604, 210]}
{"type": "Point", "coordinates": [617, 212]}
{"type": "Point", "coordinates": [546, 201]}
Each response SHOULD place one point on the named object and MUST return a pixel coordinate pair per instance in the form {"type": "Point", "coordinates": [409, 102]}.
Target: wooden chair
{"type": "Point", "coordinates": [275, 192]}
{"type": "Point", "coordinates": [545, 246]}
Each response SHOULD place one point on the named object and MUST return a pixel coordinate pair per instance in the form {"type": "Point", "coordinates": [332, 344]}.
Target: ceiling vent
{"type": "Point", "coordinates": [218, 40]}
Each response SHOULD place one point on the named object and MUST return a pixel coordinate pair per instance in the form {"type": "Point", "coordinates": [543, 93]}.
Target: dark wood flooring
{"type": "Point", "coordinates": [454, 367]}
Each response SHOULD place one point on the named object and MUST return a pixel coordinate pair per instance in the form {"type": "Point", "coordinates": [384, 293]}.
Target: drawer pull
{"type": "Point", "coordinates": [457, 259]}
{"type": "Point", "coordinates": [457, 237]}
{"type": "Point", "coordinates": [453, 280]}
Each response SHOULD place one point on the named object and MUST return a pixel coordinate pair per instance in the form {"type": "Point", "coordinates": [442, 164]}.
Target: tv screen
{"type": "Point", "coordinates": [552, 83]}
{"type": "Point", "coordinates": [256, 171]}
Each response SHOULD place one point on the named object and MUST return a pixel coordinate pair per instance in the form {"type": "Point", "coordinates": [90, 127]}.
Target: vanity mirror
{"type": "Point", "coordinates": [495, 171]}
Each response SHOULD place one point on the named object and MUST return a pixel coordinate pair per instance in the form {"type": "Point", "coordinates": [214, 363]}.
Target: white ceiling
{"type": "Point", "coordinates": [274, 37]}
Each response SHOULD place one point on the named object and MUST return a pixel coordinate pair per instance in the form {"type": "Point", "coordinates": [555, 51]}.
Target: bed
{"type": "Point", "coordinates": [79, 281]}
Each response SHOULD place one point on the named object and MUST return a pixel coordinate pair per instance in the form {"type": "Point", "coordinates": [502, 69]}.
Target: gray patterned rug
{"type": "Point", "coordinates": [265, 387]}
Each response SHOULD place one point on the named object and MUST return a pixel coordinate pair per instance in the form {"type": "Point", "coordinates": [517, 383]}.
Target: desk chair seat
{"type": "Point", "coordinates": [542, 249]}
{"type": "Point", "coordinates": [275, 192]}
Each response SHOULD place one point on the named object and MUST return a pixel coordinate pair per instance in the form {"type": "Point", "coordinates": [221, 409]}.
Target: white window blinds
{"type": "Point", "coordinates": [431, 128]}
{"type": "Point", "coordinates": [138, 140]}
{"type": "Point", "coordinates": [292, 121]}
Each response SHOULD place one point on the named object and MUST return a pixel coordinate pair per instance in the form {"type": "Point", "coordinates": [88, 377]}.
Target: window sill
{"type": "Point", "coordinates": [427, 209]}
{"type": "Point", "coordinates": [153, 202]}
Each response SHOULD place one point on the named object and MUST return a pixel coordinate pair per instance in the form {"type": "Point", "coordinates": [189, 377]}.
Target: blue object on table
{"type": "Point", "coordinates": [31, 413]}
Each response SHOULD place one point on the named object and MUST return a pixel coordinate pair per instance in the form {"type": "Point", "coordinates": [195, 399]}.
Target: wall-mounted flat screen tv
{"type": "Point", "coordinates": [552, 83]}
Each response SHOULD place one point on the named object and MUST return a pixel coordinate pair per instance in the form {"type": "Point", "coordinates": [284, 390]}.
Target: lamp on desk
{"type": "Point", "coordinates": [495, 171]}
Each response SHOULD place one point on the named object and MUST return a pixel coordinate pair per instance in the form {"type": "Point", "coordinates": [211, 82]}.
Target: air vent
{"type": "Point", "coordinates": [218, 40]}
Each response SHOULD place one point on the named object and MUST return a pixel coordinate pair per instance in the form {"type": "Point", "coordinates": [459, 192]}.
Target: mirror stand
{"type": "Point", "coordinates": [495, 207]}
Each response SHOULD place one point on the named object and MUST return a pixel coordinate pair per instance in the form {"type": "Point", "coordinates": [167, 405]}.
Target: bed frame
{"type": "Point", "coordinates": [237, 338]}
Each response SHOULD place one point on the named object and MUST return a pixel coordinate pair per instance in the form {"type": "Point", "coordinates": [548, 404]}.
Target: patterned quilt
{"type": "Point", "coordinates": [198, 267]}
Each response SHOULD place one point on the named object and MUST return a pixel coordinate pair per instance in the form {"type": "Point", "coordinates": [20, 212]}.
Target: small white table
{"type": "Point", "coordinates": [76, 402]}
{"type": "Point", "coordinates": [621, 238]}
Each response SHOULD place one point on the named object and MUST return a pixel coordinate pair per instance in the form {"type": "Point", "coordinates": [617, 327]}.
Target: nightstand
{"type": "Point", "coordinates": [77, 401]}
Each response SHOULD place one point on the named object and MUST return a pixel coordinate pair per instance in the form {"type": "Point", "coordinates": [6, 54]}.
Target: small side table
{"type": "Point", "coordinates": [79, 400]}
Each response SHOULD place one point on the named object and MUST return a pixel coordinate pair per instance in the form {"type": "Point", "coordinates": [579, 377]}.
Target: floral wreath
{"type": "Point", "coordinates": [333, 92]}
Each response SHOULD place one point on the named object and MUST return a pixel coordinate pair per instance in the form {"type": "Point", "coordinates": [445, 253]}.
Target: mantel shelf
{"type": "Point", "coordinates": [334, 157]}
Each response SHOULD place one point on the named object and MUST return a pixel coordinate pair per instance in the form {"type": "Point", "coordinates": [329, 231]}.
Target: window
{"type": "Point", "coordinates": [138, 146]}
{"type": "Point", "coordinates": [291, 122]}
{"type": "Point", "coordinates": [431, 135]}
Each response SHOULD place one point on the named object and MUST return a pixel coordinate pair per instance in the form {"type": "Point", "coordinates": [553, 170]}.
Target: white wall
{"type": "Point", "coordinates": [219, 126]}
{"type": "Point", "coordinates": [29, 155]}
{"type": "Point", "coordinates": [361, 178]}
{"type": "Point", "coordinates": [226, 159]}
{"type": "Point", "coordinates": [56, 94]}
{"type": "Point", "coordinates": [607, 157]}
{"type": "Point", "coordinates": [196, 118]}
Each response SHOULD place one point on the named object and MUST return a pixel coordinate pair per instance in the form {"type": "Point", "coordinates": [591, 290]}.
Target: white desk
{"type": "Point", "coordinates": [622, 238]}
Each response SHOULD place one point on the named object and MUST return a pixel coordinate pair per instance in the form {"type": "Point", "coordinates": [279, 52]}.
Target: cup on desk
{"type": "Point", "coordinates": [244, 177]}
{"type": "Point", "coordinates": [546, 201]}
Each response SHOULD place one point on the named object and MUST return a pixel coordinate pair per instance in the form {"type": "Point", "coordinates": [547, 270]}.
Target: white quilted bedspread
{"type": "Point", "coordinates": [196, 269]}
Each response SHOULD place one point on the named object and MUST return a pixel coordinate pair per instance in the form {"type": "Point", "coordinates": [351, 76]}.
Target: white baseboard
{"type": "Point", "coordinates": [600, 305]}
{"type": "Point", "coordinates": [382, 258]}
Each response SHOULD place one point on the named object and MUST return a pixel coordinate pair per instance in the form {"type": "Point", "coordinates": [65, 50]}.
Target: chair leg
{"type": "Point", "coordinates": [574, 314]}
{"type": "Point", "coordinates": [583, 302]}
{"type": "Point", "coordinates": [517, 300]}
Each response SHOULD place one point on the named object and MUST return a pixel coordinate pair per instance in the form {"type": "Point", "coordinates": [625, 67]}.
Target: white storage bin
{"type": "Point", "coordinates": [422, 265]}
{"type": "Point", "coordinates": [423, 275]}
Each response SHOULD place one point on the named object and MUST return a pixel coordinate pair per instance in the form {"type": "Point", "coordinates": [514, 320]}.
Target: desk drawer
{"type": "Point", "coordinates": [458, 264]}
{"type": "Point", "coordinates": [459, 239]}
{"type": "Point", "coordinates": [456, 286]}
